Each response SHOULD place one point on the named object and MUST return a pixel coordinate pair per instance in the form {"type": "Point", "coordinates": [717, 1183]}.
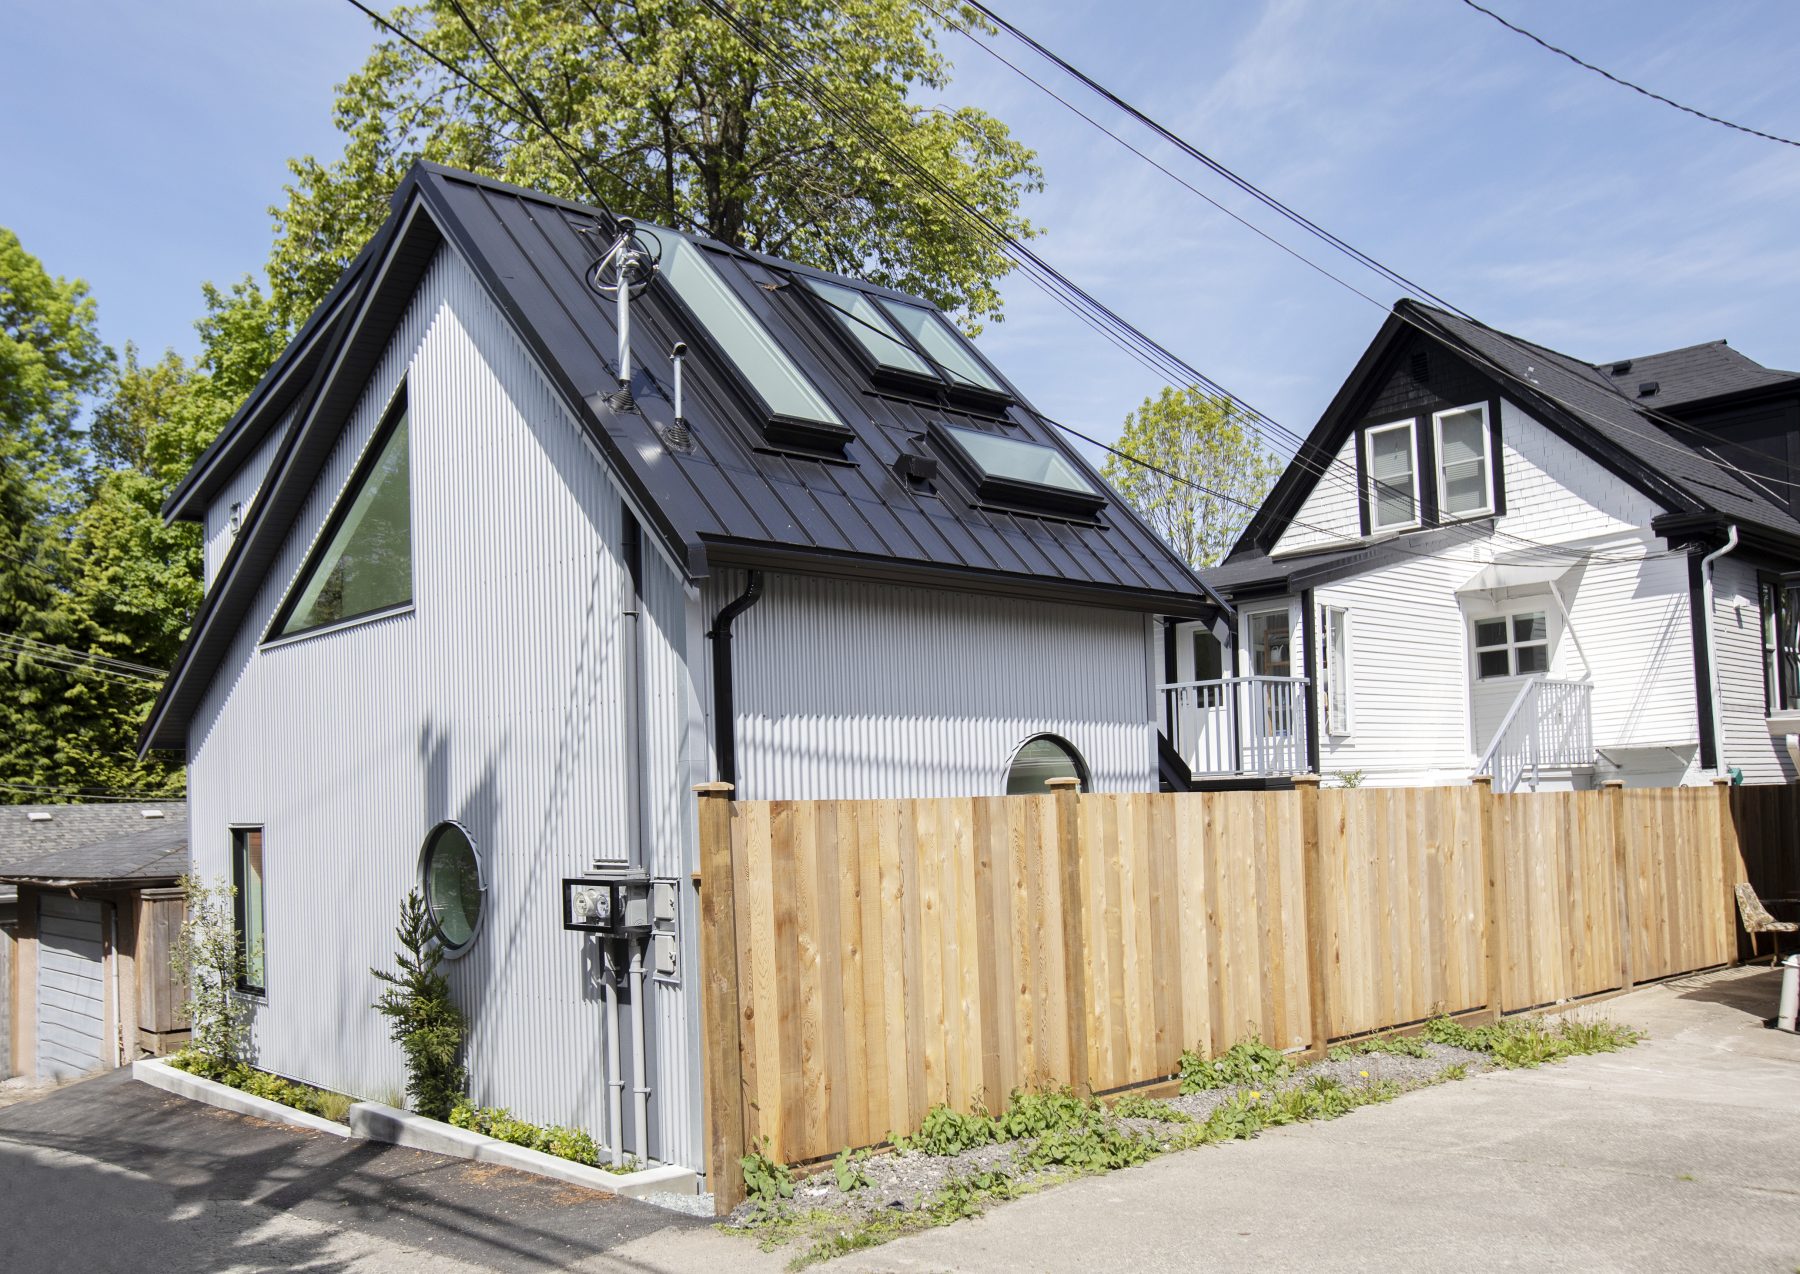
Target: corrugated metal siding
{"type": "Point", "coordinates": [1737, 640]}
{"type": "Point", "coordinates": [241, 489]}
{"type": "Point", "coordinates": [1417, 717]}
{"type": "Point", "coordinates": [71, 997]}
{"type": "Point", "coordinates": [847, 690]}
{"type": "Point", "coordinates": [497, 702]}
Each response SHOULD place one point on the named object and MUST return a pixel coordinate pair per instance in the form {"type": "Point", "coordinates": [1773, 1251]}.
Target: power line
{"type": "Point", "coordinates": [1625, 83]}
{"type": "Point", "coordinates": [124, 665]}
{"type": "Point", "coordinates": [96, 794]}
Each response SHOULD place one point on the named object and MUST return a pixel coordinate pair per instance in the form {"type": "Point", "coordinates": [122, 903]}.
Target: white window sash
{"type": "Point", "coordinates": [1412, 471]}
{"type": "Point", "coordinates": [1340, 719]}
{"type": "Point", "coordinates": [1486, 460]}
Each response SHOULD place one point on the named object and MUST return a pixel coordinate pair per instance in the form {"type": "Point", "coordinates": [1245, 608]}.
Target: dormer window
{"type": "Point", "coordinates": [1465, 485]}
{"type": "Point", "coordinates": [1393, 476]}
{"type": "Point", "coordinates": [1014, 472]}
{"type": "Point", "coordinates": [796, 413]}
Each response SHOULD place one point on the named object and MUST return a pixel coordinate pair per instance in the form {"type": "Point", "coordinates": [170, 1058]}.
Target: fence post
{"type": "Point", "coordinates": [721, 1038]}
{"type": "Point", "coordinates": [1493, 932]}
{"type": "Point", "coordinates": [1615, 808]}
{"type": "Point", "coordinates": [1312, 883]}
{"type": "Point", "coordinates": [1732, 867]}
{"type": "Point", "coordinates": [1068, 838]}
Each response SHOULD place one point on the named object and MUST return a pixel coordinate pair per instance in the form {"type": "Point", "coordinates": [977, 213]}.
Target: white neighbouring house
{"type": "Point", "coordinates": [1491, 557]}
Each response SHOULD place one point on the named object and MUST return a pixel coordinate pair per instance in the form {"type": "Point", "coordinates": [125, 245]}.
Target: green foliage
{"type": "Point", "coordinates": [948, 1132]}
{"type": "Point", "coordinates": [1392, 1045]}
{"type": "Point", "coordinates": [966, 1196]}
{"type": "Point", "coordinates": [246, 1078]}
{"type": "Point", "coordinates": [848, 1168]}
{"type": "Point", "coordinates": [766, 1181]}
{"type": "Point", "coordinates": [679, 119]}
{"type": "Point", "coordinates": [1030, 1114]}
{"type": "Point", "coordinates": [497, 1122]}
{"type": "Point", "coordinates": [208, 960]}
{"type": "Point", "coordinates": [422, 1018]}
{"type": "Point", "coordinates": [1515, 1042]}
{"type": "Point", "coordinates": [1349, 778]}
{"type": "Point", "coordinates": [1250, 1062]}
{"type": "Point", "coordinates": [1138, 1106]}
{"type": "Point", "coordinates": [1099, 1146]}
{"type": "Point", "coordinates": [1221, 469]}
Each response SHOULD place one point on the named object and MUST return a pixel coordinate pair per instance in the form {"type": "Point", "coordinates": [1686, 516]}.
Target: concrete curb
{"type": "Point", "coordinates": [404, 1128]}
{"type": "Point", "coordinates": [166, 1077]}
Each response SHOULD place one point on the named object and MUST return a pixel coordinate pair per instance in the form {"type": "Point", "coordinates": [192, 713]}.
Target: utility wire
{"type": "Point", "coordinates": [99, 794]}
{"type": "Point", "coordinates": [1625, 83]}
{"type": "Point", "coordinates": [124, 665]}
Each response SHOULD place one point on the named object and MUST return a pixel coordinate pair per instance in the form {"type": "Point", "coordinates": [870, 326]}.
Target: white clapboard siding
{"type": "Point", "coordinates": [71, 995]}
{"type": "Point", "coordinates": [1331, 513]}
{"type": "Point", "coordinates": [1737, 640]}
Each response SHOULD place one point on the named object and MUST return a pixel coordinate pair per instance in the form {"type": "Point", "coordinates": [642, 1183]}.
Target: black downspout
{"type": "Point", "coordinates": [724, 704]}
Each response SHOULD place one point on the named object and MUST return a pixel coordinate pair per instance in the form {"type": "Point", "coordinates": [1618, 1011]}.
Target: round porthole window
{"type": "Point", "coordinates": [453, 886]}
{"type": "Point", "coordinates": [1038, 761]}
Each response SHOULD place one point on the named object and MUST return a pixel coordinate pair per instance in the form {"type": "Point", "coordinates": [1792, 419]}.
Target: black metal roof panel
{"type": "Point", "coordinates": [735, 487]}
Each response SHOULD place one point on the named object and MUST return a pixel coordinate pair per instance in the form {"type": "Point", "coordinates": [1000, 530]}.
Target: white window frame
{"type": "Point", "coordinates": [1376, 526]}
{"type": "Point", "coordinates": [1487, 462]}
{"type": "Point", "coordinates": [1340, 698]}
{"type": "Point", "coordinates": [1511, 646]}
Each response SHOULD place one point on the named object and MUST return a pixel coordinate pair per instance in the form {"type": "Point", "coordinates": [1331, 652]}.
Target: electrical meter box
{"type": "Point", "coordinates": [616, 906]}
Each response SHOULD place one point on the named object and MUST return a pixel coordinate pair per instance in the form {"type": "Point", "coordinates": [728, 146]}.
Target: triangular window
{"type": "Point", "coordinates": [365, 566]}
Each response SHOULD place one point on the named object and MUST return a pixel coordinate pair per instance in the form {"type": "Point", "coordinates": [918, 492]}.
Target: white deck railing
{"type": "Point", "coordinates": [1549, 726]}
{"type": "Point", "coordinates": [1238, 725]}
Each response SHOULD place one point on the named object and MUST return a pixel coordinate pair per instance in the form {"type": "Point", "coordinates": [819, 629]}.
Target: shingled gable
{"type": "Point", "coordinates": [734, 500]}
{"type": "Point", "coordinates": [1579, 401]}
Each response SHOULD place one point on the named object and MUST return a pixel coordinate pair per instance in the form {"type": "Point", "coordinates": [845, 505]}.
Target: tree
{"type": "Point", "coordinates": [209, 960]}
{"type": "Point", "coordinates": [51, 359]}
{"type": "Point", "coordinates": [422, 1018]}
{"type": "Point", "coordinates": [678, 118]}
{"type": "Point", "coordinates": [1221, 471]}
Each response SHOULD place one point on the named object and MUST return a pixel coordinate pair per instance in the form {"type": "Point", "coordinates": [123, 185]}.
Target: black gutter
{"type": "Point", "coordinates": [724, 702]}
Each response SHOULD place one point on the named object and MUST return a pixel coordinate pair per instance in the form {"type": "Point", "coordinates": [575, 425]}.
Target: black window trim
{"type": "Point", "coordinates": [1429, 514]}
{"type": "Point", "coordinates": [976, 395]}
{"type": "Point", "coordinates": [240, 909]}
{"type": "Point", "coordinates": [1775, 585]}
{"type": "Point", "coordinates": [884, 375]}
{"type": "Point", "coordinates": [481, 874]}
{"type": "Point", "coordinates": [365, 464]}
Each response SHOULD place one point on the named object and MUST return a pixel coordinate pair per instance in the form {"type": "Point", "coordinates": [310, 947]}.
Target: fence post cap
{"type": "Point", "coordinates": [713, 789]}
{"type": "Point", "coordinates": [1063, 784]}
{"type": "Point", "coordinates": [1721, 781]}
{"type": "Point", "coordinates": [1481, 780]}
{"type": "Point", "coordinates": [1611, 784]}
{"type": "Point", "coordinates": [1306, 780]}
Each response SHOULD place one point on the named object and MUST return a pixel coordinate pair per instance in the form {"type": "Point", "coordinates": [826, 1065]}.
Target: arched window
{"type": "Point", "coordinates": [454, 887]}
{"type": "Point", "coordinates": [1041, 759]}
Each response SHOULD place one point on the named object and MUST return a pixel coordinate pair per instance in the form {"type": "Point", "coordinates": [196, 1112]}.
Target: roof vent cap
{"type": "Point", "coordinates": [1621, 367]}
{"type": "Point", "coordinates": [37, 816]}
{"type": "Point", "coordinates": [153, 814]}
{"type": "Point", "coordinates": [1647, 388]}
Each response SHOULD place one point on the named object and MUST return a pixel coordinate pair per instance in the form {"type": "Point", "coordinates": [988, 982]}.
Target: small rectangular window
{"type": "Point", "coordinates": [1393, 477]}
{"type": "Point", "coordinates": [869, 326]}
{"type": "Point", "coordinates": [1781, 646]}
{"type": "Point", "coordinates": [945, 347]}
{"type": "Point", "coordinates": [763, 365]}
{"type": "Point", "coordinates": [247, 905]}
{"type": "Point", "coordinates": [1465, 487]}
{"type": "Point", "coordinates": [1209, 656]}
{"type": "Point", "coordinates": [1512, 646]}
{"type": "Point", "coordinates": [1337, 670]}
{"type": "Point", "coordinates": [1014, 471]}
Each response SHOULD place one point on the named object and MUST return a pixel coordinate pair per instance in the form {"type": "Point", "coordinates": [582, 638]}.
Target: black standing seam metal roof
{"type": "Point", "coordinates": [1584, 401]}
{"type": "Point", "coordinates": [733, 500]}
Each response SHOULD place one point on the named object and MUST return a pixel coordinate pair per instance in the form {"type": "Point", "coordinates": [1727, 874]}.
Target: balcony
{"type": "Point", "coordinates": [1250, 726]}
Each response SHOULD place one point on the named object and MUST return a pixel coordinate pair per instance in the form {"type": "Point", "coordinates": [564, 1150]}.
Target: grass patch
{"type": "Point", "coordinates": [1516, 1042]}
{"type": "Point", "coordinates": [247, 1079]}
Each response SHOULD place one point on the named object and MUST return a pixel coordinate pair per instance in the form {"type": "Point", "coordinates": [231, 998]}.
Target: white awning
{"type": "Point", "coordinates": [1506, 576]}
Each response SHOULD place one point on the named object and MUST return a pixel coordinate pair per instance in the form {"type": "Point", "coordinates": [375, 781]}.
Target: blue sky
{"type": "Point", "coordinates": [1537, 196]}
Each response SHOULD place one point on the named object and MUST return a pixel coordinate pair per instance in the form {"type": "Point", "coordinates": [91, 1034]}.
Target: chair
{"type": "Point", "coordinates": [1757, 920]}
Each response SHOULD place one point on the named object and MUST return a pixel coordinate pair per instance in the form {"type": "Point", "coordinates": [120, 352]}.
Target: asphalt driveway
{"type": "Point", "coordinates": [112, 1175]}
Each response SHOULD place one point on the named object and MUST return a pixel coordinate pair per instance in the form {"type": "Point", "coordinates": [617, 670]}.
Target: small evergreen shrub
{"type": "Point", "coordinates": [422, 1018]}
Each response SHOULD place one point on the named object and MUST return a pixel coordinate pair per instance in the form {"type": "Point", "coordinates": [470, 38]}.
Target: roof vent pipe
{"type": "Point", "coordinates": [677, 436]}
{"type": "Point", "coordinates": [631, 267]}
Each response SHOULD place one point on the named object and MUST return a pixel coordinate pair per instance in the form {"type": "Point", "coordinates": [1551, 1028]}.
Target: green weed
{"type": "Point", "coordinates": [1248, 1064]}
{"type": "Point", "coordinates": [848, 1168]}
{"type": "Point", "coordinates": [1523, 1042]}
{"type": "Point", "coordinates": [949, 1132]}
{"type": "Point", "coordinates": [1137, 1106]}
{"type": "Point", "coordinates": [766, 1181]}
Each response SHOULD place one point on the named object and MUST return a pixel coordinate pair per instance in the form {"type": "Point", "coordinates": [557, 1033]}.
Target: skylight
{"type": "Point", "coordinates": [870, 328]}
{"type": "Point", "coordinates": [1014, 471]}
{"type": "Point", "coordinates": [765, 368]}
{"type": "Point", "coordinates": [939, 340]}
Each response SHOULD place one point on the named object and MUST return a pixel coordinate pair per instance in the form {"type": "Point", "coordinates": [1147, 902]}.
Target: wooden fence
{"type": "Point", "coordinates": [864, 960]}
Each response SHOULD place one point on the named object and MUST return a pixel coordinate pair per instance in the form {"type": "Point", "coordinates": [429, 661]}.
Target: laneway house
{"type": "Point", "coordinates": [478, 618]}
{"type": "Point", "coordinates": [1490, 557]}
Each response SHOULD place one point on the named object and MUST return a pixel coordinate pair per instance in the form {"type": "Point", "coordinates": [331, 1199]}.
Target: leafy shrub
{"type": "Point", "coordinates": [947, 1132]}
{"type": "Point", "coordinates": [766, 1181]}
{"type": "Point", "coordinates": [422, 1018]}
{"type": "Point", "coordinates": [1248, 1064]}
{"type": "Point", "coordinates": [499, 1123]}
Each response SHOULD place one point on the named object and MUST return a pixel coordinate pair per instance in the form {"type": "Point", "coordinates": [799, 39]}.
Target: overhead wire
{"type": "Point", "coordinates": [93, 794]}
{"type": "Point", "coordinates": [1622, 82]}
